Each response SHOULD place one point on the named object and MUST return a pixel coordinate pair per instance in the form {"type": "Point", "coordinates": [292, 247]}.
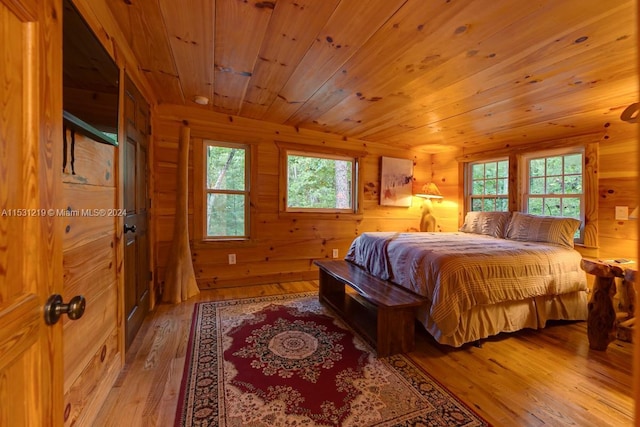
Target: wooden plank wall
{"type": "Point", "coordinates": [448, 210]}
{"type": "Point", "coordinates": [617, 186]}
{"type": "Point", "coordinates": [282, 249]}
{"type": "Point", "coordinates": [92, 358]}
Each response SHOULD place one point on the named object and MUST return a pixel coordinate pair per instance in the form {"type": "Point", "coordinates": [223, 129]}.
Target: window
{"type": "Point", "coordinates": [320, 182]}
{"type": "Point", "coordinates": [226, 190]}
{"type": "Point", "coordinates": [554, 184]}
{"type": "Point", "coordinates": [488, 185]}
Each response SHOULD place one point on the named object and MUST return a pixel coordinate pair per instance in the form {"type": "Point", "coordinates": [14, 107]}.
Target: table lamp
{"type": "Point", "coordinates": [427, 220]}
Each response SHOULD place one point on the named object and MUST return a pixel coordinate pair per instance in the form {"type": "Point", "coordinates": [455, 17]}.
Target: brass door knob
{"type": "Point", "coordinates": [55, 307]}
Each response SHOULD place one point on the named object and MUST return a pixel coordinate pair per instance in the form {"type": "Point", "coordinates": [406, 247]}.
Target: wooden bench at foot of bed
{"type": "Point", "coordinates": [382, 312]}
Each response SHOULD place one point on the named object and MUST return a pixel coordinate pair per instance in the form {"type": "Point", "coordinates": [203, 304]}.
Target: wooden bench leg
{"type": "Point", "coordinates": [330, 287]}
{"type": "Point", "coordinates": [396, 330]}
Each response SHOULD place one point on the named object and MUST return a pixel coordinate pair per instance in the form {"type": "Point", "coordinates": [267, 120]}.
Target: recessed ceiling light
{"type": "Point", "coordinates": [202, 100]}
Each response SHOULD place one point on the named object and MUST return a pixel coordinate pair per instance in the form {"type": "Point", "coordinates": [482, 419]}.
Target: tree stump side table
{"type": "Point", "coordinates": [601, 318]}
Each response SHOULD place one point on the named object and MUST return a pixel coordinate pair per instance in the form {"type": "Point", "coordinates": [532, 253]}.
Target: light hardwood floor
{"type": "Point", "coordinates": [547, 377]}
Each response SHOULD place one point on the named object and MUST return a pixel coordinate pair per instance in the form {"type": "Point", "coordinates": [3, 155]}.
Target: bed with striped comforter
{"type": "Point", "coordinates": [464, 274]}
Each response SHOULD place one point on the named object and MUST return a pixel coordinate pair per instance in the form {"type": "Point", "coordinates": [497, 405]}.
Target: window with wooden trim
{"type": "Point", "coordinates": [319, 180]}
{"type": "Point", "coordinates": [225, 203]}
{"type": "Point", "coordinates": [553, 184]}
{"type": "Point", "coordinates": [549, 181]}
{"type": "Point", "coordinates": [487, 186]}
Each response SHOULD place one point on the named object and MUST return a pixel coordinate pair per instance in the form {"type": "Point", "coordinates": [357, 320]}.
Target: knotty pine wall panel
{"type": "Point", "coordinates": [321, 235]}
{"type": "Point", "coordinates": [166, 201]}
{"type": "Point", "coordinates": [283, 247]}
{"type": "Point", "coordinates": [82, 227]}
{"type": "Point", "coordinates": [90, 269]}
{"type": "Point", "coordinates": [445, 174]}
{"type": "Point", "coordinates": [85, 275]}
{"type": "Point", "coordinates": [94, 380]}
{"type": "Point", "coordinates": [86, 337]}
{"type": "Point", "coordinates": [617, 186]}
{"type": "Point", "coordinates": [617, 177]}
{"type": "Point", "coordinates": [165, 226]}
{"type": "Point", "coordinates": [90, 162]}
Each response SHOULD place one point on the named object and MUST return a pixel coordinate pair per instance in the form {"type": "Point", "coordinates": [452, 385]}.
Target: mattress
{"type": "Point", "coordinates": [462, 274]}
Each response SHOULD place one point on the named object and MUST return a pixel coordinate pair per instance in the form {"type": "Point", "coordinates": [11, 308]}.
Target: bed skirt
{"type": "Point", "coordinates": [487, 320]}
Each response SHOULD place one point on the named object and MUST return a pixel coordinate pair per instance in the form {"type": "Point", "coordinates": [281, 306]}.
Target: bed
{"type": "Point", "coordinates": [501, 272]}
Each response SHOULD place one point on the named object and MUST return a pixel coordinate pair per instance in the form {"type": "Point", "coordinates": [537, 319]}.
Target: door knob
{"type": "Point", "coordinates": [128, 228]}
{"type": "Point", "coordinates": [54, 308]}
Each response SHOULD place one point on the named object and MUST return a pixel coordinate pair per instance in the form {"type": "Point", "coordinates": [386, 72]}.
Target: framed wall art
{"type": "Point", "coordinates": [396, 182]}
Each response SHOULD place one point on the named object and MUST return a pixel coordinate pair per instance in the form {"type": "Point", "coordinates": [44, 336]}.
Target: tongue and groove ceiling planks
{"type": "Point", "coordinates": [430, 75]}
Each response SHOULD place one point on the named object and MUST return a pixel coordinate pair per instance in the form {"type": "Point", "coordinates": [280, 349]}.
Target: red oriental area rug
{"type": "Point", "coordinates": [288, 361]}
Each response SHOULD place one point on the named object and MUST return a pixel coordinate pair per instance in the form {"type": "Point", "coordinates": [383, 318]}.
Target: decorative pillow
{"type": "Point", "coordinates": [489, 223]}
{"type": "Point", "coordinates": [549, 229]}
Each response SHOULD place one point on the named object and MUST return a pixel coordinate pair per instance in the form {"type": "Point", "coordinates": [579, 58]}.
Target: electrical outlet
{"type": "Point", "coordinates": [232, 258]}
{"type": "Point", "coordinates": [622, 213]}
{"type": "Point", "coordinates": [335, 253]}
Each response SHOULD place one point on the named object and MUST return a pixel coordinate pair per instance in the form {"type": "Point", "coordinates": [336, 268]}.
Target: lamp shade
{"type": "Point", "coordinates": [430, 191]}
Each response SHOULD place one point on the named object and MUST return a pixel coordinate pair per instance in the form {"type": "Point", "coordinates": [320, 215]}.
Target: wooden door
{"type": "Point", "coordinates": [136, 249]}
{"type": "Point", "coordinates": [30, 231]}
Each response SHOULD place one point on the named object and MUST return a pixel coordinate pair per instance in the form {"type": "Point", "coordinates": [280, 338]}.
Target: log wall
{"type": "Point", "coordinates": [448, 210]}
{"type": "Point", "coordinates": [618, 186]}
{"type": "Point", "coordinates": [617, 175]}
{"type": "Point", "coordinates": [282, 248]}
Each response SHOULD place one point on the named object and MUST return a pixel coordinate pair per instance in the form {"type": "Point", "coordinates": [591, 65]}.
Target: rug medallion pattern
{"type": "Point", "coordinates": [288, 361]}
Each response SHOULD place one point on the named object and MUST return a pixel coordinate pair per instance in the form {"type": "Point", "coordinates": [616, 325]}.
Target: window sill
{"type": "Point", "coordinates": [234, 243]}
{"type": "Point", "coordinates": [346, 216]}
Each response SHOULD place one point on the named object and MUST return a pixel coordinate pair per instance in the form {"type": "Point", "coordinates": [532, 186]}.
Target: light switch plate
{"type": "Point", "coordinates": [622, 213]}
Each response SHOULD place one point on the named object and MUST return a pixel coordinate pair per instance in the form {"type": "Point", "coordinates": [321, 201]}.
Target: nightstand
{"type": "Point", "coordinates": [604, 323]}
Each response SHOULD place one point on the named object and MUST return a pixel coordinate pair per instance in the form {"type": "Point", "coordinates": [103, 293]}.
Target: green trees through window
{"type": "Point", "coordinates": [489, 186]}
{"type": "Point", "coordinates": [555, 185]}
{"type": "Point", "coordinates": [227, 190]}
{"type": "Point", "coordinates": [319, 182]}
{"type": "Point", "coordinates": [552, 184]}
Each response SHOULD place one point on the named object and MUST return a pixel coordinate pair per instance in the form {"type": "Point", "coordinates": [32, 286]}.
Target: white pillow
{"type": "Point", "coordinates": [489, 223]}
{"type": "Point", "coordinates": [549, 229]}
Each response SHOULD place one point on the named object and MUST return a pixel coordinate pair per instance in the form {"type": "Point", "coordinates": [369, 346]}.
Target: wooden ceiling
{"type": "Point", "coordinates": [429, 74]}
